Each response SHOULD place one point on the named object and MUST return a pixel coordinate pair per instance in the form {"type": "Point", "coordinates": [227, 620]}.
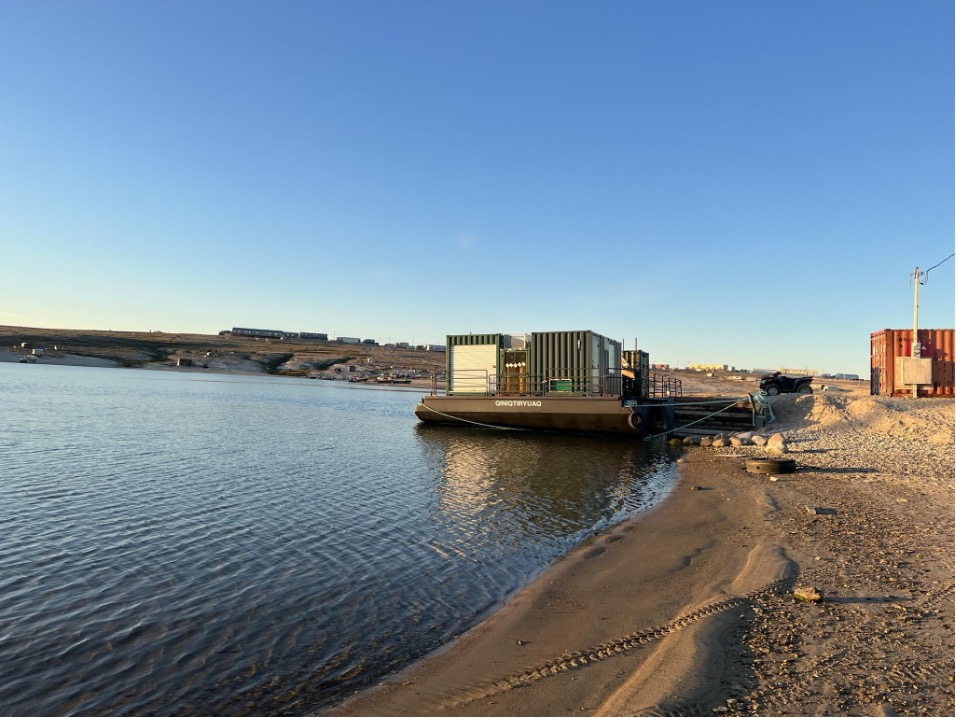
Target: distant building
{"type": "Point", "coordinates": [349, 340]}
{"type": "Point", "coordinates": [710, 367]}
{"type": "Point", "coordinates": [264, 333]}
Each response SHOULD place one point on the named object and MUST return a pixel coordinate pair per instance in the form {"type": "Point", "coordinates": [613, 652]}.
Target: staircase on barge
{"type": "Point", "coordinates": [707, 416]}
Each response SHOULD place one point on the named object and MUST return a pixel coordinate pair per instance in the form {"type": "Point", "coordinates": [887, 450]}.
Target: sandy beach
{"type": "Point", "coordinates": [690, 608]}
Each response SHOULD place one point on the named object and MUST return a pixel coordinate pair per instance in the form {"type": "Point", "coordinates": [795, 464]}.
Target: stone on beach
{"type": "Point", "coordinates": [807, 593]}
{"type": "Point", "coordinates": [777, 444]}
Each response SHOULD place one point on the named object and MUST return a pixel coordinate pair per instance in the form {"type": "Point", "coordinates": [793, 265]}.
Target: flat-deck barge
{"type": "Point", "coordinates": [574, 381]}
{"type": "Point", "coordinates": [560, 381]}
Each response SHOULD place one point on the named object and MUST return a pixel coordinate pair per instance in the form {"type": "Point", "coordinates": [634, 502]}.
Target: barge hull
{"type": "Point", "coordinates": [593, 415]}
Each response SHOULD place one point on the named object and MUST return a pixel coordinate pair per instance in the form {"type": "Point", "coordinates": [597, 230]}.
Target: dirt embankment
{"type": "Point", "coordinates": [203, 352]}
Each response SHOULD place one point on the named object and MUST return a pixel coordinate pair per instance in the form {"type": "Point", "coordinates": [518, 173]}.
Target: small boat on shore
{"type": "Point", "coordinates": [389, 379]}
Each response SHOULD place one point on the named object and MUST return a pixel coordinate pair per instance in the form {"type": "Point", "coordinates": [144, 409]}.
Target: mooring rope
{"type": "Point", "coordinates": [476, 423]}
{"type": "Point", "coordinates": [646, 438]}
{"type": "Point", "coordinates": [696, 421]}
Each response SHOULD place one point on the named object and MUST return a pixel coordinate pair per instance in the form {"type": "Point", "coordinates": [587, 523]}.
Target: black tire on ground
{"type": "Point", "coordinates": [771, 466]}
{"type": "Point", "coordinates": [805, 389]}
{"type": "Point", "coordinates": [773, 390]}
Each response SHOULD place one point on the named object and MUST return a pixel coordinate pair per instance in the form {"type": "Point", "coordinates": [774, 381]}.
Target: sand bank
{"type": "Point", "coordinates": [60, 359]}
{"type": "Point", "coordinates": [689, 609]}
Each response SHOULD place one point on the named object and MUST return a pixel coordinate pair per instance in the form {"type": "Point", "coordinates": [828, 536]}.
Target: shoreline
{"type": "Point", "coordinates": [242, 369]}
{"type": "Point", "coordinates": [295, 358]}
{"type": "Point", "coordinates": [629, 612]}
{"type": "Point", "coordinates": [13, 357]}
{"type": "Point", "coordinates": [689, 608]}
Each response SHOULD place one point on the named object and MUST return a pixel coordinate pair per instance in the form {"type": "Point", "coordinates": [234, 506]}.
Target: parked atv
{"type": "Point", "coordinates": [778, 383]}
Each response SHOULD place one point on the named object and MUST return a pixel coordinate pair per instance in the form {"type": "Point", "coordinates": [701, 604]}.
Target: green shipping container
{"type": "Point", "coordinates": [584, 363]}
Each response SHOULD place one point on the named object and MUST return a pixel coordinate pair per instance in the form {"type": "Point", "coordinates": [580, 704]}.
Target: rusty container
{"type": "Point", "coordinates": [891, 354]}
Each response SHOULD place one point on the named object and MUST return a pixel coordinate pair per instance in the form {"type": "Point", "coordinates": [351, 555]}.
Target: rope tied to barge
{"type": "Point", "coordinates": [476, 423]}
{"type": "Point", "coordinates": [755, 401]}
{"type": "Point", "coordinates": [703, 418]}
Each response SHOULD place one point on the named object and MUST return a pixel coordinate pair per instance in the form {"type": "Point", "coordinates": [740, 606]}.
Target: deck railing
{"type": "Point", "coordinates": [662, 386]}
{"type": "Point", "coordinates": [554, 382]}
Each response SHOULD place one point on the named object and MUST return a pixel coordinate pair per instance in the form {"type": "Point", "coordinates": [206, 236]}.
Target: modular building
{"type": "Point", "coordinates": [573, 363]}
{"type": "Point", "coordinates": [894, 370]}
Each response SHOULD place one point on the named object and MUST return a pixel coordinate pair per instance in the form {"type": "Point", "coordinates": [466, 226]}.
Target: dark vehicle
{"type": "Point", "coordinates": [777, 383]}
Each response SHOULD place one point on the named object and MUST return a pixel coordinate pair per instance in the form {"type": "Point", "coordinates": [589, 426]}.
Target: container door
{"type": "Point", "coordinates": [473, 369]}
{"type": "Point", "coordinates": [514, 371]}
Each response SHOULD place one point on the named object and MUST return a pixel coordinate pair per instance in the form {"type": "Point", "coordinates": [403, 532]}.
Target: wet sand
{"type": "Point", "coordinates": [689, 609]}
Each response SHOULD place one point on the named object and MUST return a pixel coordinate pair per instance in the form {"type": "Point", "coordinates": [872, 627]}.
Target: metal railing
{"type": "Point", "coordinates": [662, 386]}
{"type": "Point", "coordinates": [555, 382]}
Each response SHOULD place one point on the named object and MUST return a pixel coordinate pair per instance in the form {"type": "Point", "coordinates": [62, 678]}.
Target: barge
{"type": "Point", "coordinates": [575, 381]}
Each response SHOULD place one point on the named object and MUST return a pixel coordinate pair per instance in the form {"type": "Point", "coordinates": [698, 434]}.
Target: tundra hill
{"type": "Point", "coordinates": [295, 357]}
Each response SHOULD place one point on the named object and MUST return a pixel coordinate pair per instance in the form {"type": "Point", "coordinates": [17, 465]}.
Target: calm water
{"type": "Point", "coordinates": [208, 544]}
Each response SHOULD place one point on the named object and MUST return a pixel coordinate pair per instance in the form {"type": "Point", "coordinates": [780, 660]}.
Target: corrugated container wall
{"type": "Point", "coordinates": [889, 347]}
{"type": "Point", "coordinates": [639, 362]}
{"type": "Point", "coordinates": [579, 362]}
{"type": "Point", "coordinates": [637, 359]}
{"type": "Point", "coordinates": [455, 340]}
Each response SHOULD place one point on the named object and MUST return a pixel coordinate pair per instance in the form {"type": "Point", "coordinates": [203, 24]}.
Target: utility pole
{"type": "Point", "coordinates": [916, 346]}
{"type": "Point", "coordinates": [915, 350]}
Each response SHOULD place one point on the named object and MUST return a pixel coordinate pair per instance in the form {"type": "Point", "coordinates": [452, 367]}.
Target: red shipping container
{"type": "Point", "coordinates": [889, 346]}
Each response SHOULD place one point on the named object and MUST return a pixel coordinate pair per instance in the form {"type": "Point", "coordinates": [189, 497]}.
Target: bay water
{"type": "Point", "coordinates": [212, 544]}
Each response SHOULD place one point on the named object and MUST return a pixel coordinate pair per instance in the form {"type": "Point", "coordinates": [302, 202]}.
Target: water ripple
{"type": "Point", "coordinates": [176, 546]}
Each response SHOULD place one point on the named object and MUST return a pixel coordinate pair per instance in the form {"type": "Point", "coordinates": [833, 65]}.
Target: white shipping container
{"type": "Point", "coordinates": [473, 368]}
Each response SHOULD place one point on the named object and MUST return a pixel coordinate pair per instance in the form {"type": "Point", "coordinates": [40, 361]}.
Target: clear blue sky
{"type": "Point", "coordinates": [739, 182]}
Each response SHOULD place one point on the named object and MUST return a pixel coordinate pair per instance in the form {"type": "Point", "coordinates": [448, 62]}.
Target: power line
{"type": "Point", "coordinates": [926, 273]}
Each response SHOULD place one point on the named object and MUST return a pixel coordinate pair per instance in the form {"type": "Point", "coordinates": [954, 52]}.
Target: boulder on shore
{"type": "Point", "coordinates": [777, 444]}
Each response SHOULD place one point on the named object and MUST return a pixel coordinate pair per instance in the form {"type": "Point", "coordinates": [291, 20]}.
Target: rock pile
{"type": "Point", "coordinates": [775, 443]}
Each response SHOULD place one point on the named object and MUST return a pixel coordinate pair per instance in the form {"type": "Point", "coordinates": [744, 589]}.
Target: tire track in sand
{"type": "Point", "coordinates": [579, 659]}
